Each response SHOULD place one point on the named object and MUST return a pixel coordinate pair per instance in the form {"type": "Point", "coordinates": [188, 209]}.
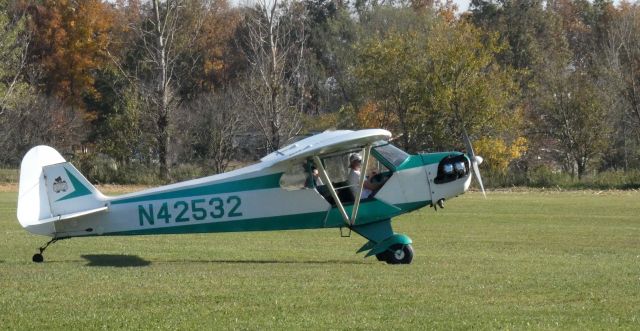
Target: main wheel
{"type": "Point", "coordinates": [382, 256]}
{"type": "Point", "coordinates": [37, 258]}
{"type": "Point", "coordinates": [399, 254]}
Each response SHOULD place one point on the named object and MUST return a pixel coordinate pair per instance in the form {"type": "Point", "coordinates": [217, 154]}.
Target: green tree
{"type": "Point", "coordinates": [119, 129]}
{"type": "Point", "coordinates": [621, 60]}
{"type": "Point", "coordinates": [435, 80]}
{"type": "Point", "coordinates": [465, 85]}
{"type": "Point", "coordinates": [532, 32]}
{"type": "Point", "coordinates": [388, 72]}
{"type": "Point", "coordinates": [574, 116]}
{"type": "Point", "coordinates": [14, 44]}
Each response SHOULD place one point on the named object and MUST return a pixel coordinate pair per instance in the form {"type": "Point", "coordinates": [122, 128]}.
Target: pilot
{"type": "Point", "coordinates": [355, 162]}
{"type": "Point", "coordinates": [314, 180]}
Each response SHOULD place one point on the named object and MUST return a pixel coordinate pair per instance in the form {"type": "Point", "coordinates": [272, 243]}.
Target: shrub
{"type": "Point", "coordinates": [187, 171]}
{"type": "Point", "coordinates": [101, 169]}
{"type": "Point", "coordinates": [9, 175]}
{"type": "Point", "coordinates": [543, 176]}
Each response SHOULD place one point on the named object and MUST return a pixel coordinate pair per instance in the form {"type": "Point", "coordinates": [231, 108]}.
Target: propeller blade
{"type": "Point", "coordinates": [467, 143]}
{"type": "Point", "coordinates": [475, 159]}
{"type": "Point", "coordinates": [476, 171]}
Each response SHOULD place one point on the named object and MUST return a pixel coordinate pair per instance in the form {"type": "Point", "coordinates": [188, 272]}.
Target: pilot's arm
{"type": "Point", "coordinates": [371, 186]}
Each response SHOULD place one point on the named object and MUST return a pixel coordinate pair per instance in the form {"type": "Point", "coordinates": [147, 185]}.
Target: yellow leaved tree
{"type": "Point", "coordinates": [498, 154]}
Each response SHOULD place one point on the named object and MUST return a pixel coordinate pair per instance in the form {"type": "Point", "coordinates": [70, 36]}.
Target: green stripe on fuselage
{"type": "Point", "coordinates": [285, 222]}
{"type": "Point", "coordinates": [413, 161]}
{"type": "Point", "coordinates": [315, 220]}
{"type": "Point", "coordinates": [249, 184]}
{"type": "Point", "coordinates": [411, 206]}
{"type": "Point", "coordinates": [418, 160]}
{"type": "Point", "coordinates": [369, 211]}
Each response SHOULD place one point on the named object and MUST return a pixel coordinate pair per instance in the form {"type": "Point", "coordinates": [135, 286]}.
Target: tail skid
{"type": "Point", "coordinates": [51, 190]}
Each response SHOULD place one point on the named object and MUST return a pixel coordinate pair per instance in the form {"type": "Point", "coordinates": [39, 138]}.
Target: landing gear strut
{"type": "Point", "coordinates": [397, 254]}
{"type": "Point", "coordinates": [37, 257]}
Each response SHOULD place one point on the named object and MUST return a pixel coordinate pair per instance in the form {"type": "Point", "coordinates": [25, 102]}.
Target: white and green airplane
{"type": "Point", "coordinates": [301, 186]}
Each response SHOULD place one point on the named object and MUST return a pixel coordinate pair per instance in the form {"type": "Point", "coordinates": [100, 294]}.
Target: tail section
{"type": "Point", "coordinates": [52, 189]}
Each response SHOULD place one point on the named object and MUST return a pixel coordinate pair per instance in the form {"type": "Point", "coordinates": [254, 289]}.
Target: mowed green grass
{"type": "Point", "coordinates": [526, 260]}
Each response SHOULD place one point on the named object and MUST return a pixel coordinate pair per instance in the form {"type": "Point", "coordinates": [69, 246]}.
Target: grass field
{"type": "Point", "coordinates": [523, 260]}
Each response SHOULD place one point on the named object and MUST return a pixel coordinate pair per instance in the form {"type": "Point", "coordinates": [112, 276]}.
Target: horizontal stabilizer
{"type": "Point", "coordinates": [74, 215]}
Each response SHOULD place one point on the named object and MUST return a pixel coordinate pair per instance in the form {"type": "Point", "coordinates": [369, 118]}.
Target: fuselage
{"type": "Point", "coordinates": [254, 199]}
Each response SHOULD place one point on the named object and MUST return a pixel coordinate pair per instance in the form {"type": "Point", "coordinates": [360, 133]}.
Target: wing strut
{"type": "Point", "coordinates": [334, 195]}
{"type": "Point", "coordinates": [363, 172]}
{"type": "Point", "coordinates": [325, 179]}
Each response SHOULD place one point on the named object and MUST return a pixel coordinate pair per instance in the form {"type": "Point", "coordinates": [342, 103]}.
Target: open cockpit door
{"type": "Point", "coordinates": [348, 219]}
{"type": "Point", "coordinates": [347, 192]}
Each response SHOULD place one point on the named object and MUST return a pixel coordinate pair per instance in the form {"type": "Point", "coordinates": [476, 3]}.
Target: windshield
{"type": "Point", "coordinates": [392, 154]}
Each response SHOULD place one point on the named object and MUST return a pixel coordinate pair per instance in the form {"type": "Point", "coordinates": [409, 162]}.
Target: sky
{"type": "Point", "coordinates": [463, 5]}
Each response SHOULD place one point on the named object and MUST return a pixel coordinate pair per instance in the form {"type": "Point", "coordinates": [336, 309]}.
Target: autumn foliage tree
{"type": "Point", "coordinates": [70, 42]}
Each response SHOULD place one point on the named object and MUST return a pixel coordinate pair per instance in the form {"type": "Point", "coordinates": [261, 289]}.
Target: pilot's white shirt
{"type": "Point", "coordinates": [354, 182]}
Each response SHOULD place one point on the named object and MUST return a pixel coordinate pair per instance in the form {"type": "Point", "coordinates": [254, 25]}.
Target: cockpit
{"type": "Point", "coordinates": [383, 161]}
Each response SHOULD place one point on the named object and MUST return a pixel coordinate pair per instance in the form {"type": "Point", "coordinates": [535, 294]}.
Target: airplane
{"type": "Point", "coordinates": [303, 185]}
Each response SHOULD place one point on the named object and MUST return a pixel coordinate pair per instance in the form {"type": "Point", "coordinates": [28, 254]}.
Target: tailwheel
{"type": "Point", "coordinates": [397, 254]}
{"type": "Point", "coordinates": [37, 257]}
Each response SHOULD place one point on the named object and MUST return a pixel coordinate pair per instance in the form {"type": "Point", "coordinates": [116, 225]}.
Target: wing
{"type": "Point", "coordinates": [326, 143]}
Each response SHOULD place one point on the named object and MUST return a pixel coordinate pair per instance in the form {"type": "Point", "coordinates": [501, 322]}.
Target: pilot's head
{"type": "Point", "coordinates": [355, 161]}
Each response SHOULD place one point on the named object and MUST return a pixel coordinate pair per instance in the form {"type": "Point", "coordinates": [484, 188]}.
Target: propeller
{"type": "Point", "coordinates": [475, 160]}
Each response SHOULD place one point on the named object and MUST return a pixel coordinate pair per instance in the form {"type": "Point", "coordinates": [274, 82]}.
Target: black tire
{"type": "Point", "coordinates": [382, 256]}
{"type": "Point", "coordinates": [399, 254]}
{"type": "Point", "coordinates": [37, 258]}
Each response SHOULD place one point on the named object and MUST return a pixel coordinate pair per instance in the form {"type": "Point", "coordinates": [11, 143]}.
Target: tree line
{"type": "Point", "coordinates": [133, 88]}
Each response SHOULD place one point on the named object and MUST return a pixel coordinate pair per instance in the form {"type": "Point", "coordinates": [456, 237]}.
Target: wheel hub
{"type": "Point", "coordinates": [399, 254]}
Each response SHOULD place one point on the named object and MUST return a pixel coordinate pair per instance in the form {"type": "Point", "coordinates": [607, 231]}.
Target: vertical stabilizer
{"type": "Point", "coordinates": [51, 189]}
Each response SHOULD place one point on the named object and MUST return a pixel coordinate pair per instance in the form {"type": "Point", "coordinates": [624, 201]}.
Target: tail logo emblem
{"type": "Point", "coordinates": [60, 185]}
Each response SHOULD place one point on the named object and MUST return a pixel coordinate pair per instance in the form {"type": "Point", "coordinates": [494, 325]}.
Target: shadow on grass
{"type": "Point", "coordinates": [111, 260]}
{"type": "Point", "coordinates": [265, 261]}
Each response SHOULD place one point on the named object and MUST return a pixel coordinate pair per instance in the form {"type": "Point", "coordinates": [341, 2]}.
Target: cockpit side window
{"type": "Point", "coordinates": [391, 154]}
{"type": "Point", "coordinates": [295, 177]}
{"type": "Point", "coordinates": [375, 166]}
{"type": "Point", "coordinates": [337, 167]}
